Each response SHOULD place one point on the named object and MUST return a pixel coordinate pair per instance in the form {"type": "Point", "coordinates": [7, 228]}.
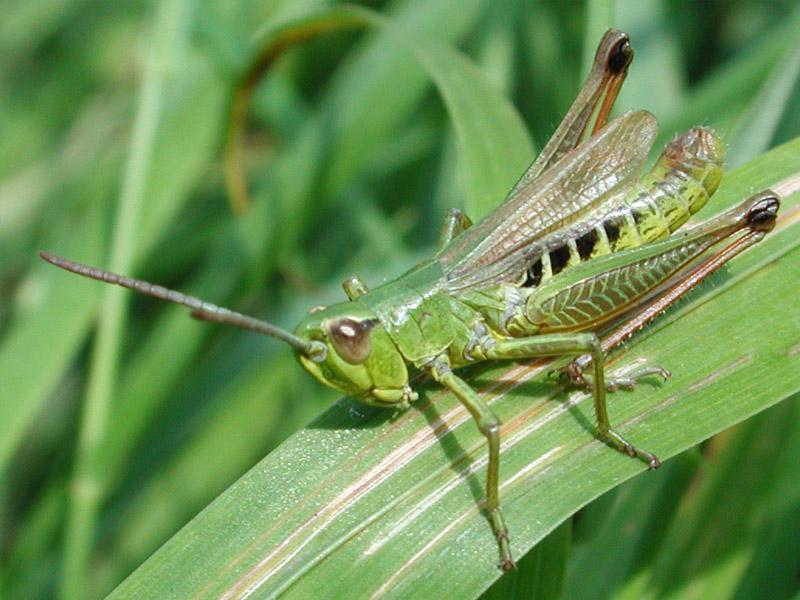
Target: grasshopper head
{"type": "Point", "coordinates": [353, 353]}
{"type": "Point", "coordinates": [344, 346]}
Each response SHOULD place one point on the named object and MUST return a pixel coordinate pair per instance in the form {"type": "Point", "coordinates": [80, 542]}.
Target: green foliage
{"type": "Point", "coordinates": [114, 122]}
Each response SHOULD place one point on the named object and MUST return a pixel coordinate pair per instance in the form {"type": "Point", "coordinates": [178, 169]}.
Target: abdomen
{"type": "Point", "coordinates": [685, 176]}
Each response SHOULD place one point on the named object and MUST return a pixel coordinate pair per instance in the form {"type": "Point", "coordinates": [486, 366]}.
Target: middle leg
{"type": "Point", "coordinates": [567, 344]}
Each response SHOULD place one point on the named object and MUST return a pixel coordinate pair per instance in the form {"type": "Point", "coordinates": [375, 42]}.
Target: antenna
{"type": "Point", "coordinates": [201, 309]}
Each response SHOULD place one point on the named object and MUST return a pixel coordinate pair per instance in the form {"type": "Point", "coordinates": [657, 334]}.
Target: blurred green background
{"type": "Point", "coordinates": [113, 117]}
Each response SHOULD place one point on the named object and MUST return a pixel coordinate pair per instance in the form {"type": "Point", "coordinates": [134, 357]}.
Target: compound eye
{"type": "Point", "coordinates": [351, 339]}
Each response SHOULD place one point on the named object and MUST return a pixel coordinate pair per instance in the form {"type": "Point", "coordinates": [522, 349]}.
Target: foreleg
{"type": "Point", "coordinates": [489, 426]}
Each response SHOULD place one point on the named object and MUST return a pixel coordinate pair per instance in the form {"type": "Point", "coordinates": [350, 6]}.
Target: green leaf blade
{"type": "Point", "coordinates": [358, 491]}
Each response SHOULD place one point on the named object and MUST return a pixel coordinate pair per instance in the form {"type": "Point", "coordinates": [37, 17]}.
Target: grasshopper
{"type": "Point", "coordinates": [581, 239]}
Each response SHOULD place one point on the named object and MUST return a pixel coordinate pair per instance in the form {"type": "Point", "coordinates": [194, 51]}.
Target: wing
{"type": "Point", "coordinates": [495, 250]}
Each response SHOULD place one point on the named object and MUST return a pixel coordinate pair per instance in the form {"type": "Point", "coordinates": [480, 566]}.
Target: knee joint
{"type": "Point", "coordinates": [491, 429]}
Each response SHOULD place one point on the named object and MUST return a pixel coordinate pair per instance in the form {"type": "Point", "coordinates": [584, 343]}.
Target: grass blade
{"type": "Point", "coordinates": [719, 529]}
{"type": "Point", "coordinates": [541, 573]}
{"type": "Point", "coordinates": [359, 490]}
{"type": "Point", "coordinates": [757, 126]}
{"type": "Point", "coordinates": [89, 479]}
{"type": "Point", "coordinates": [493, 143]}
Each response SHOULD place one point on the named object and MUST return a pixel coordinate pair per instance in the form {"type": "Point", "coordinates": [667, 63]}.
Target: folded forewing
{"type": "Point", "coordinates": [496, 249]}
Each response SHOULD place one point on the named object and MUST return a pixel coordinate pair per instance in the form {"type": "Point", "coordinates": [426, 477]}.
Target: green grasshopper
{"type": "Point", "coordinates": [581, 239]}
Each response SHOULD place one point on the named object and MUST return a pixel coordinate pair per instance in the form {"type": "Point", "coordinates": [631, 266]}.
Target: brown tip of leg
{"type": "Point", "coordinates": [509, 565]}
{"type": "Point", "coordinates": [654, 463]}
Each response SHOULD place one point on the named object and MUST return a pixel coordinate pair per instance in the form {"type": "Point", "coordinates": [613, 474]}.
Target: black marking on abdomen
{"type": "Point", "coordinates": [586, 244]}
{"type": "Point", "coordinates": [559, 257]}
{"type": "Point", "coordinates": [534, 275]}
{"type": "Point", "coordinates": [638, 214]}
{"type": "Point", "coordinates": [612, 227]}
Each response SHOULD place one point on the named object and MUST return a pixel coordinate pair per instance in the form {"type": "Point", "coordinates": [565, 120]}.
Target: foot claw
{"type": "Point", "coordinates": [501, 533]}
{"type": "Point", "coordinates": [508, 564]}
{"type": "Point", "coordinates": [575, 373]}
{"type": "Point", "coordinates": [631, 380]}
{"type": "Point", "coordinates": [621, 444]}
{"type": "Point", "coordinates": [664, 373]}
